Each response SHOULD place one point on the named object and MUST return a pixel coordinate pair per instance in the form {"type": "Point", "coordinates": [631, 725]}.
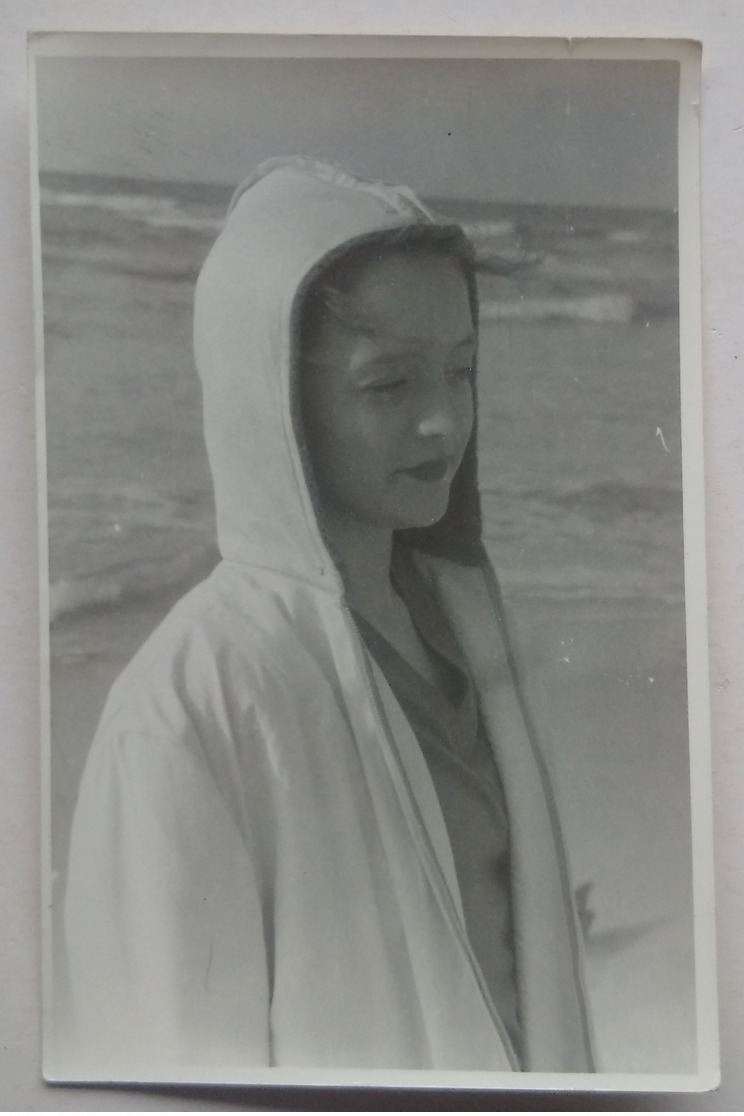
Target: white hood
{"type": "Point", "coordinates": [285, 224]}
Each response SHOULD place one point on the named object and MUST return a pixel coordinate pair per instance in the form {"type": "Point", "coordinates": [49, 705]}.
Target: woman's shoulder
{"type": "Point", "coordinates": [216, 697]}
{"type": "Point", "coordinates": [228, 643]}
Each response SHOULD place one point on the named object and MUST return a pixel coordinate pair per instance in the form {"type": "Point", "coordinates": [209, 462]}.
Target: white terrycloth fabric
{"type": "Point", "coordinates": [260, 873]}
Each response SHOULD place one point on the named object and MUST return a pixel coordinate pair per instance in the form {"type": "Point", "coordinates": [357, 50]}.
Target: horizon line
{"type": "Point", "coordinates": [228, 188]}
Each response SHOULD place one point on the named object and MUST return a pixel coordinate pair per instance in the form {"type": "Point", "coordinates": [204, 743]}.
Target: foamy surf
{"type": "Point", "coordinates": [488, 230]}
{"type": "Point", "coordinates": [70, 597]}
{"type": "Point", "coordinates": [128, 205]}
{"type": "Point", "coordinates": [184, 221]}
{"type": "Point", "coordinates": [155, 212]}
{"type": "Point", "coordinates": [631, 237]}
{"type": "Point", "coordinates": [602, 309]}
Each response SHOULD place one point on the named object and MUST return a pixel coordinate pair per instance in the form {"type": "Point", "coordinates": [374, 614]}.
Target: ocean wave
{"type": "Point", "coordinates": [184, 221]}
{"type": "Point", "coordinates": [629, 532]}
{"type": "Point", "coordinates": [615, 498]}
{"type": "Point", "coordinates": [154, 212]}
{"type": "Point", "coordinates": [631, 237]}
{"type": "Point", "coordinates": [488, 230]}
{"type": "Point", "coordinates": [601, 503]}
{"type": "Point", "coordinates": [600, 308]}
{"type": "Point", "coordinates": [554, 590]}
{"type": "Point", "coordinates": [73, 597]}
{"type": "Point", "coordinates": [127, 204]}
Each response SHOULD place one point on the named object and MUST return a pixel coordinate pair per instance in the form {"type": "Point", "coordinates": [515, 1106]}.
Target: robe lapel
{"type": "Point", "coordinates": [550, 971]}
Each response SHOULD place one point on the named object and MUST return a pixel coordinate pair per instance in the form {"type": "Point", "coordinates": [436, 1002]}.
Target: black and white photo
{"type": "Point", "coordinates": [377, 744]}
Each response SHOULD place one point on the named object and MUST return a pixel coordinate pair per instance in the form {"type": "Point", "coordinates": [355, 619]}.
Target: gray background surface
{"type": "Point", "coordinates": [721, 27]}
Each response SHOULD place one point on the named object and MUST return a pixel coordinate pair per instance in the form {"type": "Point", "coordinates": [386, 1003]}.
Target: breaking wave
{"type": "Point", "coordinates": [71, 597]}
{"type": "Point", "coordinates": [600, 309]}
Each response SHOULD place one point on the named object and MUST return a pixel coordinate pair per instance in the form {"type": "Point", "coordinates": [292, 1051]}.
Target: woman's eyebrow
{"type": "Point", "coordinates": [402, 348]}
{"type": "Point", "coordinates": [402, 344]}
{"type": "Point", "coordinates": [392, 358]}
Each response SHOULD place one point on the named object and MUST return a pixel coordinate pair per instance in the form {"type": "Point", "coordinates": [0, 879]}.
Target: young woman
{"type": "Point", "coordinates": [315, 827]}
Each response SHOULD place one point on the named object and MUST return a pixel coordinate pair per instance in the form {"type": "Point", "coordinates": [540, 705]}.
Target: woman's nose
{"type": "Point", "coordinates": [437, 418]}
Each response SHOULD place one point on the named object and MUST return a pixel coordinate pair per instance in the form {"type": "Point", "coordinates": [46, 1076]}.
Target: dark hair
{"type": "Point", "coordinates": [327, 295]}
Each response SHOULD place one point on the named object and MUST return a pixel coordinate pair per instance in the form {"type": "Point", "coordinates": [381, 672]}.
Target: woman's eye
{"type": "Point", "coordinates": [387, 388]}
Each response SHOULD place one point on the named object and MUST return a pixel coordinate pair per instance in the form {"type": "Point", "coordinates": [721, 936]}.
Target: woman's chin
{"type": "Point", "coordinates": [400, 515]}
{"type": "Point", "coordinates": [423, 518]}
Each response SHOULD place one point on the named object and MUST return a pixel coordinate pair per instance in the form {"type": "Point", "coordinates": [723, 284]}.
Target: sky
{"type": "Point", "coordinates": [546, 131]}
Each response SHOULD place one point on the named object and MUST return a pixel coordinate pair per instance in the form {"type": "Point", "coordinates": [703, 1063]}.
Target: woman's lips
{"type": "Point", "coordinates": [435, 470]}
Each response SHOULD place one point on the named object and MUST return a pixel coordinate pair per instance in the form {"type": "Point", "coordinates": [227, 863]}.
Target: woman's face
{"type": "Point", "coordinates": [388, 397]}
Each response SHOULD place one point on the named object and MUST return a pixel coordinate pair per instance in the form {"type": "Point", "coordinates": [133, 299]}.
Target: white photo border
{"type": "Point", "coordinates": [687, 54]}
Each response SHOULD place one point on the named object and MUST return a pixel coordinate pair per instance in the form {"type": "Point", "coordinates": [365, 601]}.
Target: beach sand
{"type": "Point", "coordinates": [608, 690]}
{"type": "Point", "coordinates": [607, 687]}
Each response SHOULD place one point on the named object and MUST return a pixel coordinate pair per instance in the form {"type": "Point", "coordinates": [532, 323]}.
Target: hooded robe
{"type": "Point", "coordinates": [260, 872]}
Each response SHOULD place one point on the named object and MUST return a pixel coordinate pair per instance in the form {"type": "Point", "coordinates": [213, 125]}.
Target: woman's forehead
{"type": "Point", "coordinates": [420, 268]}
{"type": "Point", "coordinates": [404, 296]}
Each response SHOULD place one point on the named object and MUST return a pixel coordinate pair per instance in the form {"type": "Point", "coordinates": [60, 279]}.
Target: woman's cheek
{"type": "Point", "coordinates": [467, 418]}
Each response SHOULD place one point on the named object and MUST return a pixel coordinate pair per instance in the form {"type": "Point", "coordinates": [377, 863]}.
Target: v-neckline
{"type": "Point", "coordinates": [453, 681]}
{"type": "Point", "coordinates": [441, 664]}
{"type": "Point", "coordinates": [431, 627]}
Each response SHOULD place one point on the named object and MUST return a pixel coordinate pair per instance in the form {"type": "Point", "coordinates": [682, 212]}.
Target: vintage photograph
{"type": "Point", "coordinates": [369, 459]}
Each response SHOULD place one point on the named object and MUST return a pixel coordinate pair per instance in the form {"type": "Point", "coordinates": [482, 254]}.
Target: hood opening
{"type": "Point", "coordinates": [457, 536]}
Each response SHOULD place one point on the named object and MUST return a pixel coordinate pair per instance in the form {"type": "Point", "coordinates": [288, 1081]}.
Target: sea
{"type": "Point", "coordinates": [579, 398]}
